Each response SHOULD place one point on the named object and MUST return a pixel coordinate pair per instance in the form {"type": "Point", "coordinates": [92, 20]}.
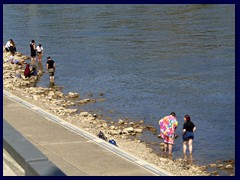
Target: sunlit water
{"type": "Point", "coordinates": [147, 60]}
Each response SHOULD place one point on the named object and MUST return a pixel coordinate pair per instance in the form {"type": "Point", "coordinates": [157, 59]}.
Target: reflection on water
{"type": "Point", "coordinates": [40, 67]}
{"type": "Point", "coordinates": [51, 84]}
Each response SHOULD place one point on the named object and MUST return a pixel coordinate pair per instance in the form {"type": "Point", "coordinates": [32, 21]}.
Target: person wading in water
{"type": "Point", "coordinates": [188, 136]}
{"type": "Point", "coordinates": [168, 125]}
{"type": "Point", "coordinates": [51, 66]}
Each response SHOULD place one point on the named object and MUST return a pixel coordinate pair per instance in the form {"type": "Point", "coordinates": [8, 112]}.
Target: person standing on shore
{"type": "Point", "coordinates": [51, 69]}
{"type": "Point", "coordinates": [39, 57]}
{"type": "Point", "coordinates": [33, 52]}
{"type": "Point", "coordinates": [168, 125]}
{"type": "Point", "coordinates": [39, 52]}
{"type": "Point", "coordinates": [188, 136]}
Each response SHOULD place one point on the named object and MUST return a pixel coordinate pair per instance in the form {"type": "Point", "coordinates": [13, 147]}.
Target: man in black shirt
{"type": "Point", "coordinates": [51, 68]}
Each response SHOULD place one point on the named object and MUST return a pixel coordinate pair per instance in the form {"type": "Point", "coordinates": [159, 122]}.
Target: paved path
{"type": "Point", "coordinates": [10, 166]}
{"type": "Point", "coordinates": [75, 151]}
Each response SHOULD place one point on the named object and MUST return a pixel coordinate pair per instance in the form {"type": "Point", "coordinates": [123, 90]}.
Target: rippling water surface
{"type": "Point", "coordinates": [148, 60]}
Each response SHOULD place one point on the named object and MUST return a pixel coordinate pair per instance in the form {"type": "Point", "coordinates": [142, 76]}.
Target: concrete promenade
{"type": "Point", "coordinates": [10, 166]}
{"type": "Point", "coordinates": [75, 151]}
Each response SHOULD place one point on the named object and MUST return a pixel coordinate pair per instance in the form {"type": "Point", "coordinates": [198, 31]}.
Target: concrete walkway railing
{"type": "Point", "coordinates": [33, 161]}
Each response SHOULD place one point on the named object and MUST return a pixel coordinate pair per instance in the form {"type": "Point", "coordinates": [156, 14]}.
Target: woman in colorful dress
{"type": "Point", "coordinates": [168, 125]}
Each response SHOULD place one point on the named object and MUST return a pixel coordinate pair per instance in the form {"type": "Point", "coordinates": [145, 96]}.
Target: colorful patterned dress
{"type": "Point", "coordinates": [168, 124]}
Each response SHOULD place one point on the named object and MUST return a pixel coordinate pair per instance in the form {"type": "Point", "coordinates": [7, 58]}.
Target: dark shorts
{"type": "Point", "coordinates": [188, 135]}
{"type": "Point", "coordinates": [33, 54]}
{"type": "Point", "coordinates": [12, 49]}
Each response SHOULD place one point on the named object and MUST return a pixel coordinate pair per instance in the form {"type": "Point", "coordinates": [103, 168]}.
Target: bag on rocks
{"type": "Point", "coordinates": [113, 142]}
{"type": "Point", "coordinates": [102, 136]}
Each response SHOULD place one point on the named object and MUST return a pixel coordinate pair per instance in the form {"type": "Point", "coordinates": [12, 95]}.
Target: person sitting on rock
{"type": "Point", "coordinates": [13, 60]}
{"type": "Point", "coordinates": [33, 71]}
{"type": "Point", "coordinates": [18, 74]}
{"type": "Point", "coordinates": [27, 72]}
{"type": "Point", "coordinates": [7, 46]}
{"type": "Point", "coordinates": [10, 46]}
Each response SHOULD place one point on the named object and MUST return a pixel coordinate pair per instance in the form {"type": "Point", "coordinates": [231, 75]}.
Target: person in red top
{"type": "Point", "coordinates": [27, 72]}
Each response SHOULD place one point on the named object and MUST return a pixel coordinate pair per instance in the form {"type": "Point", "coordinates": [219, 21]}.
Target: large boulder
{"type": "Point", "coordinates": [128, 130]}
{"type": "Point", "coordinates": [36, 97]}
{"type": "Point", "coordinates": [84, 114]}
{"type": "Point", "coordinates": [71, 111]}
{"type": "Point", "coordinates": [138, 130]}
{"type": "Point", "coordinates": [112, 127]}
{"type": "Point", "coordinates": [151, 128]}
{"type": "Point", "coordinates": [73, 95]}
{"type": "Point", "coordinates": [141, 122]}
{"type": "Point", "coordinates": [212, 165]}
{"type": "Point", "coordinates": [114, 132]}
{"type": "Point", "coordinates": [85, 101]}
{"type": "Point", "coordinates": [229, 166]}
{"type": "Point", "coordinates": [120, 122]}
{"type": "Point", "coordinates": [215, 173]}
{"type": "Point", "coordinates": [51, 93]}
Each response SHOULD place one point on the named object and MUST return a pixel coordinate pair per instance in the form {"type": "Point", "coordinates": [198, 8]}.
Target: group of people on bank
{"type": "Point", "coordinates": [168, 126]}
{"type": "Point", "coordinates": [36, 53]}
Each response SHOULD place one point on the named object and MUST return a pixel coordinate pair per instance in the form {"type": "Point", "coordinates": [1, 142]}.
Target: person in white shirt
{"type": "Point", "coordinates": [13, 60]}
{"type": "Point", "coordinates": [10, 46]}
{"type": "Point", "coordinates": [39, 52]}
{"type": "Point", "coordinates": [7, 46]}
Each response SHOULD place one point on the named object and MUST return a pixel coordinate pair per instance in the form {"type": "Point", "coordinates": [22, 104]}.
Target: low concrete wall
{"type": "Point", "coordinates": [33, 161]}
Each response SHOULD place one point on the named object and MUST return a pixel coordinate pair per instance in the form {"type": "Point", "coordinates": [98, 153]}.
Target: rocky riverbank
{"type": "Point", "coordinates": [124, 132]}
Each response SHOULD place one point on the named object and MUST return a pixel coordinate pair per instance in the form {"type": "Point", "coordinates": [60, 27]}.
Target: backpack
{"type": "Point", "coordinates": [101, 135]}
{"type": "Point", "coordinates": [113, 142]}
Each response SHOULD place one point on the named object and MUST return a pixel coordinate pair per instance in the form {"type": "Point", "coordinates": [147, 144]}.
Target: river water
{"type": "Point", "coordinates": [146, 60]}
